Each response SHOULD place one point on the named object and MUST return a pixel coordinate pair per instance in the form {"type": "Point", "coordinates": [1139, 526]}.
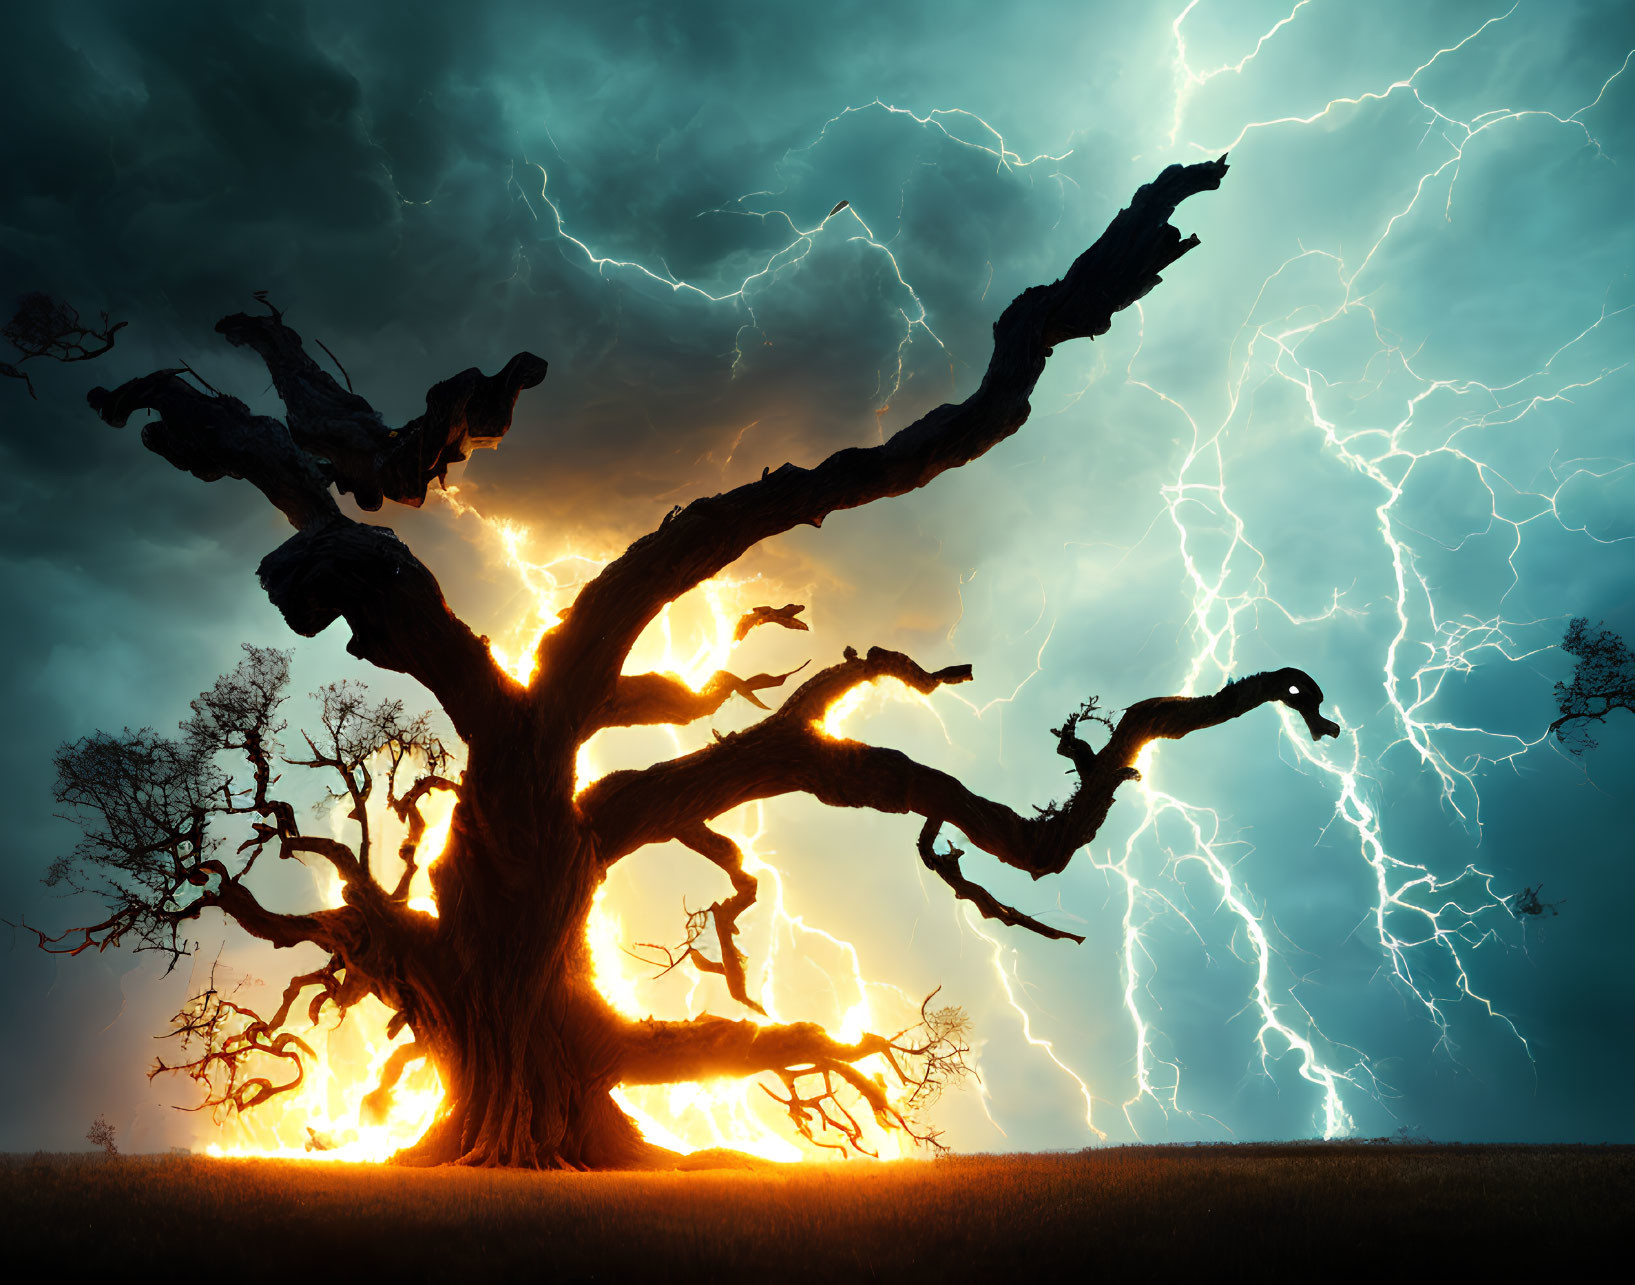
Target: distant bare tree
{"type": "Point", "coordinates": [44, 326]}
{"type": "Point", "coordinates": [102, 1134]}
{"type": "Point", "coordinates": [1526, 902]}
{"type": "Point", "coordinates": [1604, 681]}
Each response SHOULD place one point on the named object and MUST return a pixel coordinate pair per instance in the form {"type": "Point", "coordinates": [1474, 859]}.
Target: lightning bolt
{"type": "Point", "coordinates": [1424, 922]}
{"type": "Point", "coordinates": [1384, 431]}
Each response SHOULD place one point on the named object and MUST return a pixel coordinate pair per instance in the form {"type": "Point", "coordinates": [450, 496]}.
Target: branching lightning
{"type": "Point", "coordinates": [1424, 922]}
{"type": "Point", "coordinates": [1378, 428]}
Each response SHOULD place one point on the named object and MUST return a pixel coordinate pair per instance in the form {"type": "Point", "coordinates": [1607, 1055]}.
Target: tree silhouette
{"type": "Point", "coordinates": [46, 327]}
{"type": "Point", "coordinates": [497, 988]}
{"type": "Point", "coordinates": [1603, 681]}
{"type": "Point", "coordinates": [104, 1135]}
{"type": "Point", "coordinates": [1526, 902]}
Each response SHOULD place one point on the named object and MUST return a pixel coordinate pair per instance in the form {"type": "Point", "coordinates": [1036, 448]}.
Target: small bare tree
{"type": "Point", "coordinates": [102, 1134]}
{"type": "Point", "coordinates": [46, 327]}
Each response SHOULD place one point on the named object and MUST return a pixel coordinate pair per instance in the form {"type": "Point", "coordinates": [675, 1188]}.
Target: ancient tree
{"type": "Point", "coordinates": [496, 988]}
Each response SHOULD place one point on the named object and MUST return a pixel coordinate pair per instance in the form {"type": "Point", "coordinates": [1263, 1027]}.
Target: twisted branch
{"type": "Point", "coordinates": [812, 1065]}
{"type": "Point", "coordinates": [235, 1038]}
{"type": "Point", "coordinates": [349, 439]}
{"type": "Point", "coordinates": [644, 699]}
{"type": "Point", "coordinates": [582, 657]}
{"type": "Point", "coordinates": [726, 854]}
{"type": "Point", "coordinates": [788, 753]}
{"type": "Point", "coordinates": [333, 567]}
{"type": "Point", "coordinates": [46, 327]}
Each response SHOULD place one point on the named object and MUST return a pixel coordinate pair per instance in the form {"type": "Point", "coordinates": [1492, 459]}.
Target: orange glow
{"type": "Point", "coordinates": [868, 698]}
{"type": "Point", "coordinates": [691, 639]}
{"type": "Point", "coordinates": [797, 971]}
{"type": "Point", "coordinates": [323, 1119]}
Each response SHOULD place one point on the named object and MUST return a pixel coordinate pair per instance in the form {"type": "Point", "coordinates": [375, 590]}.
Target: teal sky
{"type": "Point", "coordinates": [1375, 426]}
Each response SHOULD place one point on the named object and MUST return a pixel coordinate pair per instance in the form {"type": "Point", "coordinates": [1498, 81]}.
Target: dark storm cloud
{"type": "Point", "coordinates": [394, 176]}
{"type": "Point", "coordinates": [383, 180]}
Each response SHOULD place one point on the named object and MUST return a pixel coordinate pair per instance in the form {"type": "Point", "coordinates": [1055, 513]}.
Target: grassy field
{"type": "Point", "coordinates": [1263, 1210]}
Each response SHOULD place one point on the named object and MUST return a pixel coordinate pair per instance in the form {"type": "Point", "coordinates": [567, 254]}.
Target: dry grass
{"type": "Point", "coordinates": [1271, 1210]}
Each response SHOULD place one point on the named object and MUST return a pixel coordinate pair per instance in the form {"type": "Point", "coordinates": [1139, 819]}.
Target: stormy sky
{"type": "Point", "coordinates": [1374, 426]}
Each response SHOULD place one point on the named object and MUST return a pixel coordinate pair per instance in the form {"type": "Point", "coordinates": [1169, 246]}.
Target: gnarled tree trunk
{"type": "Point", "coordinates": [526, 1047]}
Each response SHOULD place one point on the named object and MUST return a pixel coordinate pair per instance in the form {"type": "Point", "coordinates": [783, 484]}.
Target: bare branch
{"type": "Point", "coordinates": [334, 567]}
{"type": "Point", "coordinates": [358, 452]}
{"type": "Point", "coordinates": [580, 660]}
{"type": "Point", "coordinates": [232, 1039]}
{"type": "Point", "coordinates": [356, 732]}
{"type": "Point", "coordinates": [645, 699]}
{"type": "Point", "coordinates": [46, 327]}
{"type": "Point", "coordinates": [8, 371]}
{"type": "Point", "coordinates": [788, 753]}
{"type": "Point", "coordinates": [812, 1065]}
{"type": "Point", "coordinates": [945, 865]}
{"type": "Point", "coordinates": [408, 811]}
{"type": "Point", "coordinates": [726, 854]}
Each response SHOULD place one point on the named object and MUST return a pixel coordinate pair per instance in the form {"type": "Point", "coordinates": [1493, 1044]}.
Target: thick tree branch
{"type": "Point", "coordinates": [334, 567]}
{"type": "Point", "coordinates": [1172, 717]}
{"type": "Point", "coordinates": [788, 753]}
{"type": "Point", "coordinates": [341, 858]}
{"type": "Point", "coordinates": [813, 1065]}
{"type": "Point", "coordinates": [580, 660]}
{"type": "Point", "coordinates": [396, 611]}
{"type": "Point", "coordinates": [945, 865]}
{"type": "Point", "coordinates": [335, 931]}
{"type": "Point", "coordinates": [713, 1048]}
{"type": "Point", "coordinates": [213, 436]}
{"type": "Point", "coordinates": [358, 452]}
{"type": "Point", "coordinates": [629, 809]}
